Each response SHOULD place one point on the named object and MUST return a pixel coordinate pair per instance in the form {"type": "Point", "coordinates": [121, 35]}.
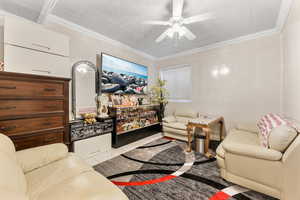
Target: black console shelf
{"type": "Point", "coordinates": [132, 123]}
{"type": "Point", "coordinates": [135, 135]}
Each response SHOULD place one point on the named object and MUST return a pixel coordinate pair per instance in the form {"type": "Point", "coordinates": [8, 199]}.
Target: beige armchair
{"type": "Point", "coordinates": [174, 126]}
{"type": "Point", "coordinates": [242, 160]}
{"type": "Point", "coordinates": [50, 173]}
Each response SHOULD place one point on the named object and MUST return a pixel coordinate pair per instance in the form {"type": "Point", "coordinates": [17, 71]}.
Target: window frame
{"type": "Point", "coordinates": [164, 69]}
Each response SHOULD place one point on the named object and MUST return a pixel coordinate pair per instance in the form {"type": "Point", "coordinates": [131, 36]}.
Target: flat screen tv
{"type": "Point", "coordinates": [120, 76]}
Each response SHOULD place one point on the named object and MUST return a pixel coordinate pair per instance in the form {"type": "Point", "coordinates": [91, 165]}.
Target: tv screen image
{"type": "Point", "coordinates": [123, 77]}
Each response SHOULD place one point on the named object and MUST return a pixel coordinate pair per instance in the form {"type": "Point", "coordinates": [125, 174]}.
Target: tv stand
{"type": "Point", "coordinates": [132, 123]}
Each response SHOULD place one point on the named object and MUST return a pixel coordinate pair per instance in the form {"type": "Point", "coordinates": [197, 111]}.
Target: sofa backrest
{"type": "Point", "coordinates": [184, 116]}
{"type": "Point", "coordinates": [12, 178]}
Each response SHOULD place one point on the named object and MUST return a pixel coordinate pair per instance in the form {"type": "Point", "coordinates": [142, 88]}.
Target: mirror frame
{"type": "Point", "coordinates": [74, 68]}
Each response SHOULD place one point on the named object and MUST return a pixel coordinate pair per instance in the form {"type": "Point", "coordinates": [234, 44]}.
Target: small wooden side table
{"type": "Point", "coordinates": [205, 122]}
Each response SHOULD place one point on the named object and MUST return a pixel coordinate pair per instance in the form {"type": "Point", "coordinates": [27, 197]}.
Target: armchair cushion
{"type": "Point", "coordinates": [86, 186]}
{"type": "Point", "coordinates": [34, 158]}
{"type": "Point", "coordinates": [48, 176]}
{"type": "Point", "coordinates": [12, 195]}
{"type": "Point", "coordinates": [252, 151]}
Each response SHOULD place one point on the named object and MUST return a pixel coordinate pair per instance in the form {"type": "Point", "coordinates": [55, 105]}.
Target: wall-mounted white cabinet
{"type": "Point", "coordinates": [34, 62]}
{"type": "Point", "coordinates": [34, 36]}
{"type": "Point", "coordinates": [31, 48]}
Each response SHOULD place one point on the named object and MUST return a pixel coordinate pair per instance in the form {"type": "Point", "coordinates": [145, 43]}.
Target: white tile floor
{"type": "Point", "coordinates": [101, 157]}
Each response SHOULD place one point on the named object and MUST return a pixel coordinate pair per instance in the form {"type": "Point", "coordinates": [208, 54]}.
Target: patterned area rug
{"type": "Point", "coordinates": [162, 170]}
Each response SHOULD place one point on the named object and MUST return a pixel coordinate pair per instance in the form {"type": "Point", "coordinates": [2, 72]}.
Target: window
{"type": "Point", "coordinates": [179, 82]}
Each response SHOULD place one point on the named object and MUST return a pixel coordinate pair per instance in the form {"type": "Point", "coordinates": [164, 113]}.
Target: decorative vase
{"type": "Point", "coordinates": [103, 106]}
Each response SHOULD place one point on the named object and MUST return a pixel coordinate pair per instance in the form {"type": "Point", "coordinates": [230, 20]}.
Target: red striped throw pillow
{"type": "Point", "coordinates": [266, 124]}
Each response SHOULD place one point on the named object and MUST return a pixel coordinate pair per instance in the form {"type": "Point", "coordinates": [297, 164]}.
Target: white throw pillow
{"type": "Point", "coordinates": [281, 137]}
{"type": "Point", "coordinates": [266, 124]}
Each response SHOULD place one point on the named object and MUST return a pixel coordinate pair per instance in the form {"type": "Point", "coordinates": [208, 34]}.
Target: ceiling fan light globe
{"type": "Point", "coordinates": [170, 33]}
{"type": "Point", "coordinates": [181, 32]}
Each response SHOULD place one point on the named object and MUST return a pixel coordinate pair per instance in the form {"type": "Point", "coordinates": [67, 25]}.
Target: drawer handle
{"type": "Point", "coordinates": [8, 108]}
{"type": "Point", "coordinates": [43, 71]}
{"type": "Point", "coordinates": [8, 87]}
{"type": "Point", "coordinates": [49, 90]}
{"type": "Point", "coordinates": [8, 128]}
{"type": "Point", "coordinates": [42, 46]}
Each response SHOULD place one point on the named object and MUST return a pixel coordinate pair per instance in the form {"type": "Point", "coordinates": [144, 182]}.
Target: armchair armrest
{"type": "Point", "coordinates": [34, 158]}
{"type": "Point", "coordinates": [169, 119]}
{"type": "Point", "coordinates": [252, 151]}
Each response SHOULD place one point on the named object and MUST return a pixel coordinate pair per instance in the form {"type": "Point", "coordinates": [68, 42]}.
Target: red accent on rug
{"type": "Point", "coordinates": [220, 196]}
{"type": "Point", "coordinates": [169, 138]}
{"type": "Point", "coordinates": [148, 182]}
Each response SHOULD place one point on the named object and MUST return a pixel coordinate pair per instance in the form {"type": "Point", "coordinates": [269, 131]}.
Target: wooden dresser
{"type": "Point", "coordinates": [34, 110]}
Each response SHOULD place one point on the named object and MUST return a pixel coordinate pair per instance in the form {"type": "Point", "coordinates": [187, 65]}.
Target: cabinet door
{"type": "Point", "coordinates": [34, 36]}
{"type": "Point", "coordinates": [28, 61]}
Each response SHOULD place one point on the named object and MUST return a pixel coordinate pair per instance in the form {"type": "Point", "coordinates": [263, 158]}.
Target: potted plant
{"type": "Point", "coordinates": [159, 95]}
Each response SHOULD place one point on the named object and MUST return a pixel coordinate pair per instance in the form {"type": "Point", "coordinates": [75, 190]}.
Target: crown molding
{"type": "Point", "coordinates": [285, 8]}
{"type": "Point", "coordinates": [281, 20]}
{"type": "Point", "coordinates": [55, 19]}
{"type": "Point", "coordinates": [222, 44]}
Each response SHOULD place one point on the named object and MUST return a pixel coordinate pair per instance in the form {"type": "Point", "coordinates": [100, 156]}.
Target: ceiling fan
{"type": "Point", "coordinates": [176, 23]}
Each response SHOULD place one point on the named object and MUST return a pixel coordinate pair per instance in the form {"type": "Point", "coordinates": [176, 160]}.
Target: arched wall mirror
{"type": "Point", "coordinates": [85, 88]}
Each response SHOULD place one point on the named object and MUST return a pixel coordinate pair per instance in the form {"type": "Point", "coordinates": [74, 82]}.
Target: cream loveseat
{"type": "Point", "coordinates": [275, 171]}
{"type": "Point", "coordinates": [174, 126]}
{"type": "Point", "coordinates": [50, 173]}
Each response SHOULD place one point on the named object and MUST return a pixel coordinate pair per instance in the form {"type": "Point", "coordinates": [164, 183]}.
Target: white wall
{"type": "Point", "coordinates": [83, 47]}
{"type": "Point", "coordinates": [291, 60]}
{"type": "Point", "coordinates": [251, 89]}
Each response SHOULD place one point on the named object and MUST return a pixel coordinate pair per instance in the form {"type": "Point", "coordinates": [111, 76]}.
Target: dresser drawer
{"type": "Point", "coordinates": [38, 140]}
{"type": "Point", "coordinates": [23, 126]}
{"type": "Point", "coordinates": [18, 88]}
{"type": "Point", "coordinates": [53, 138]}
{"type": "Point", "coordinates": [28, 107]}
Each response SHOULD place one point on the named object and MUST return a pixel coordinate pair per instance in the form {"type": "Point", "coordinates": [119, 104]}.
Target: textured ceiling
{"type": "Point", "coordinates": [29, 9]}
{"type": "Point", "coordinates": [122, 19]}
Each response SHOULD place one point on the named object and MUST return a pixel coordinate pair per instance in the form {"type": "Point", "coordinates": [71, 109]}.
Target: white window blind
{"type": "Point", "coordinates": [179, 82]}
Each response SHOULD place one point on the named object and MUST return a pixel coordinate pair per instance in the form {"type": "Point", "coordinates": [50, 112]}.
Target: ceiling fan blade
{"type": "Point", "coordinates": [162, 23]}
{"type": "Point", "coordinates": [188, 34]}
{"type": "Point", "coordinates": [163, 35]}
{"type": "Point", "coordinates": [198, 18]}
{"type": "Point", "coordinates": [177, 8]}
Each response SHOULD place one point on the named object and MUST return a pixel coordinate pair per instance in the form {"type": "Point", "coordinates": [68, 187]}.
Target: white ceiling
{"type": "Point", "coordinates": [29, 9]}
{"type": "Point", "coordinates": [121, 20]}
